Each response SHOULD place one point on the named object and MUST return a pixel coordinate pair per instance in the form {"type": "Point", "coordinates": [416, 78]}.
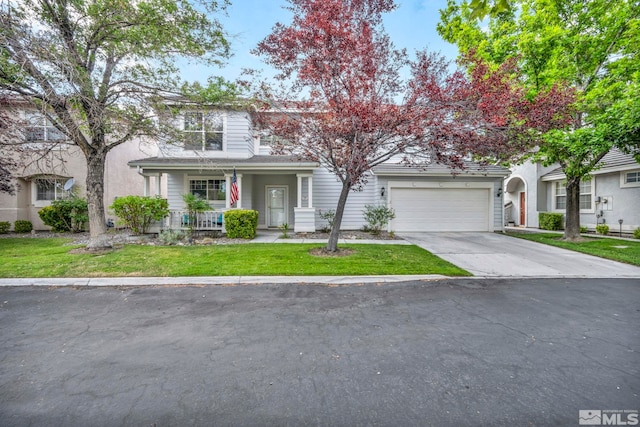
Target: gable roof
{"type": "Point", "coordinates": [614, 161]}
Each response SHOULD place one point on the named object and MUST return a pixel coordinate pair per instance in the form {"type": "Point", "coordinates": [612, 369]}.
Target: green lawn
{"type": "Point", "coordinates": [627, 251]}
{"type": "Point", "coordinates": [51, 258]}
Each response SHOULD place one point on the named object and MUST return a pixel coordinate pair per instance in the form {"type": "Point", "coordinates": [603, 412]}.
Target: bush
{"type": "Point", "coordinates": [4, 227]}
{"type": "Point", "coordinates": [138, 212]}
{"type": "Point", "coordinates": [194, 205]}
{"type": "Point", "coordinates": [550, 221]}
{"type": "Point", "coordinates": [170, 237]}
{"type": "Point", "coordinates": [22, 226]}
{"type": "Point", "coordinates": [328, 216]}
{"type": "Point", "coordinates": [377, 217]}
{"type": "Point", "coordinates": [583, 229]}
{"type": "Point", "coordinates": [602, 229]}
{"type": "Point", "coordinates": [241, 223]}
{"type": "Point", "coordinates": [636, 233]}
{"type": "Point", "coordinates": [65, 215]}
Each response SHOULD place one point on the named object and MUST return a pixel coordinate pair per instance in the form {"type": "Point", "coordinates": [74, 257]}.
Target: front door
{"type": "Point", "coordinates": [522, 208]}
{"type": "Point", "coordinates": [276, 206]}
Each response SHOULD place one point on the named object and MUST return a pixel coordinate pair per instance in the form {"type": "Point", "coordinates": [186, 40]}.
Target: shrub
{"type": "Point", "coordinates": [4, 227]}
{"type": "Point", "coordinates": [377, 217]}
{"type": "Point", "coordinates": [550, 221]}
{"type": "Point", "coordinates": [194, 205]}
{"type": "Point", "coordinates": [285, 230]}
{"type": "Point", "coordinates": [138, 212]}
{"type": "Point", "coordinates": [241, 223]}
{"type": "Point", "coordinates": [602, 229]}
{"type": "Point", "coordinates": [636, 233]}
{"type": "Point", "coordinates": [583, 229]}
{"type": "Point", "coordinates": [65, 215]}
{"type": "Point", "coordinates": [328, 216]}
{"type": "Point", "coordinates": [170, 237]}
{"type": "Point", "coordinates": [22, 226]}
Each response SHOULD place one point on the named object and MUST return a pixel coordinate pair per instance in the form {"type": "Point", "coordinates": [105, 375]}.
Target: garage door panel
{"type": "Point", "coordinates": [440, 209]}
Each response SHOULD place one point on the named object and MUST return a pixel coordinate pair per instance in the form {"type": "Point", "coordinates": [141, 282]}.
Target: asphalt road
{"type": "Point", "coordinates": [463, 352]}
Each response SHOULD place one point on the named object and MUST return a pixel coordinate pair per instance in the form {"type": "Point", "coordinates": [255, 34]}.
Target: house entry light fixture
{"type": "Point", "coordinates": [382, 192]}
{"type": "Point", "coordinates": [499, 192]}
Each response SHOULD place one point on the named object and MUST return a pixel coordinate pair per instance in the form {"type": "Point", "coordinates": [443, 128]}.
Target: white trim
{"type": "Point", "coordinates": [582, 211]}
{"type": "Point", "coordinates": [453, 185]}
{"type": "Point", "coordinates": [623, 179]}
{"type": "Point", "coordinates": [266, 203]}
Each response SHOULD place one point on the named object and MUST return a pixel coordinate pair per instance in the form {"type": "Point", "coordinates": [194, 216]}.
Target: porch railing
{"type": "Point", "coordinates": [207, 220]}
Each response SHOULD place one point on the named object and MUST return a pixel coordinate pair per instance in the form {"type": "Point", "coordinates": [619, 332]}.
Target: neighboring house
{"type": "Point", "coordinates": [55, 169]}
{"type": "Point", "coordinates": [612, 193]}
{"type": "Point", "coordinates": [285, 190]}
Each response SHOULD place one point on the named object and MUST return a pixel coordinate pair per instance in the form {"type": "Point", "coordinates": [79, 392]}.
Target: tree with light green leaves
{"type": "Point", "coordinates": [96, 69]}
{"type": "Point", "coordinates": [591, 45]}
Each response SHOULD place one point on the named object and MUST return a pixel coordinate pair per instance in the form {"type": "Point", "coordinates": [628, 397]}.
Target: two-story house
{"type": "Point", "coordinates": [215, 143]}
{"type": "Point", "coordinates": [51, 169]}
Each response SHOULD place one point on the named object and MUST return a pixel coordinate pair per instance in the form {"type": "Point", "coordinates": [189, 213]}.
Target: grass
{"type": "Point", "coordinates": [614, 249]}
{"type": "Point", "coordinates": [51, 258]}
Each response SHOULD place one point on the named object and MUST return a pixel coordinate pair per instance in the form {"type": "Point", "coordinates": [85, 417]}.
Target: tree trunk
{"type": "Point", "coordinates": [572, 216]}
{"type": "Point", "coordinates": [95, 200]}
{"type": "Point", "coordinates": [332, 244]}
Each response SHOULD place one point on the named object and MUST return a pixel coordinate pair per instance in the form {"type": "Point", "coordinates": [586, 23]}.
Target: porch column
{"type": "Point", "coordinates": [158, 186]}
{"type": "Point", "coordinates": [147, 185]}
{"type": "Point", "coordinates": [305, 214]}
{"type": "Point", "coordinates": [228, 178]}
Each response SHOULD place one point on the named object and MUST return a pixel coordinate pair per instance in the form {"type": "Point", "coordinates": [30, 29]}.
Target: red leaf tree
{"type": "Point", "coordinates": [345, 104]}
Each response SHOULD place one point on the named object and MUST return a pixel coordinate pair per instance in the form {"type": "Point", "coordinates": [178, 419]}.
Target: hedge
{"type": "Point", "coordinates": [550, 221]}
{"type": "Point", "coordinates": [241, 223]}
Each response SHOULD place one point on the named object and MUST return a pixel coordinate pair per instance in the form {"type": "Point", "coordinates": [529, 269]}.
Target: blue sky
{"type": "Point", "coordinates": [412, 26]}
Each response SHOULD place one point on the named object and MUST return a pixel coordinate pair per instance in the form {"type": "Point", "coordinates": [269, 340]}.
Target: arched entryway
{"type": "Point", "coordinates": [516, 201]}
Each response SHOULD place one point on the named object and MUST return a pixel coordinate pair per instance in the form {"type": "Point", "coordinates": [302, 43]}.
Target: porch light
{"type": "Point", "coordinates": [499, 192]}
{"type": "Point", "coordinates": [382, 192]}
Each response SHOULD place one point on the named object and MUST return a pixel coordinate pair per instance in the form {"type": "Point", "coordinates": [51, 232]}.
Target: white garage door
{"type": "Point", "coordinates": [440, 209]}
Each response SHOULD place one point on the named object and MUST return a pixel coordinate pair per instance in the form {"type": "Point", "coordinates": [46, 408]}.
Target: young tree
{"type": "Point", "coordinates": [94, 68]}
{"type": "Point", "coordinates": [591, 46]}
{"type": "Point", "coordinates": [346, 105]}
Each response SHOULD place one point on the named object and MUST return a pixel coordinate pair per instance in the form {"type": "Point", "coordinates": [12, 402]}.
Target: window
{"type": "Point", "coordinates": [560, 195]}
{"type": "Point", "coordinates": [203, 131]}
{"type": "Point", "coordinates": [270, 140]}
{"type": "Point", "coordinates": [630, 179]}
{"type": "Point", "coordinates": [39, 129]}
{"type": "Point", "coordinates": [48, 189]}
{"type": "Point", "coordinates": [209, 189]}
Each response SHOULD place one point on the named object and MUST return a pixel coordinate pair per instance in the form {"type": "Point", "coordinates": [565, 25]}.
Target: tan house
{"type": "Point", "coordinates": [52, 170]}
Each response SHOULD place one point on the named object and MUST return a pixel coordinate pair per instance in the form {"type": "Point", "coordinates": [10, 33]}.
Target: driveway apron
{"type": "Point", "coordinates": [498, 255]}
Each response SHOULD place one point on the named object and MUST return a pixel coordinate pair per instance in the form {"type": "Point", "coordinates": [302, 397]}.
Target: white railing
{"type": "Point", "coordinates": [207, 220]}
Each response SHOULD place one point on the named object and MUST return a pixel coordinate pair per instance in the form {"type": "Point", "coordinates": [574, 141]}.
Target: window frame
{"type": "Point", "coordinates": [35, 123]}
{"type": "Point", "coordinates": [624, 183]}
{"type": "Point", "coordinates": [204, 130]}
{"type": "Point", "coordinates": [561, 185]}
{"type": "Point", "coordinates": [218, 184]}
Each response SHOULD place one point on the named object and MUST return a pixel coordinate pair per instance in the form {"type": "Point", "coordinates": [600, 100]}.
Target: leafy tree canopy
{"type": "Point", "coordinates": [96, 67]}
{"type": "Point", "coordinates": [591, 46]}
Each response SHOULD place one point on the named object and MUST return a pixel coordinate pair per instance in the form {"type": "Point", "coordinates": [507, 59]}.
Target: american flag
{"type": "Point", "coordinates": [235, 194]}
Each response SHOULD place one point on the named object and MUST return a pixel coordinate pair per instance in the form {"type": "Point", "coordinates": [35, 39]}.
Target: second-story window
{"type": "Point", "coordinates": [39, 129]}
{"type": "Point", "coordinates": [203, 131]}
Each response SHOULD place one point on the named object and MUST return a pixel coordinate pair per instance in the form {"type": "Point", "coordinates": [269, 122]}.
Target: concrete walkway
{"type": "Point", "coordinates": [497, 255]}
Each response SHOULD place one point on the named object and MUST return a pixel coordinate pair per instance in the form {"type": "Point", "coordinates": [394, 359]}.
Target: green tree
{"type": "Point", "coordinates": [96, 69]}
{"type": "Point", "coordinates": [590, 45]}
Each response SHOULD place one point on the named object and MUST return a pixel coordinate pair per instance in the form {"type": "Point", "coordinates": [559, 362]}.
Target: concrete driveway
{"type": "Point", "coordinates": [498, 255]}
